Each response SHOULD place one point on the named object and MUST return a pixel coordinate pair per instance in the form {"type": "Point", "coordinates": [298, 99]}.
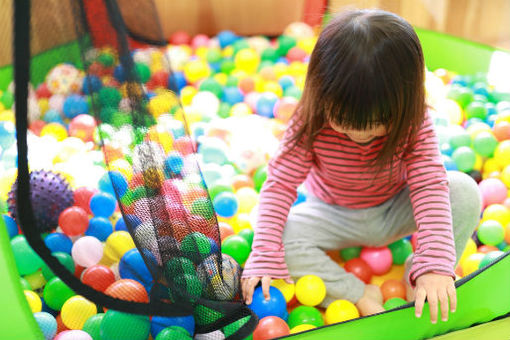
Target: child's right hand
{"type": "Point", "coordinates": [248, 285]}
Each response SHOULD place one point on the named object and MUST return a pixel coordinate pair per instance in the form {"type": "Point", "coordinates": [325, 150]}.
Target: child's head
{"type": "Point", "coordinates": [365, 78]}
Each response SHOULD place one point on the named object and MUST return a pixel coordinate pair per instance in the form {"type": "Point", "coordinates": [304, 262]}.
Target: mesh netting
{"type": "Point", "coordinates": [153, 172]}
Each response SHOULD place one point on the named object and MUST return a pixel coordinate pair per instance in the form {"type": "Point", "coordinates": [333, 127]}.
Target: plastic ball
{"type": "Point", "coordinates": [465, 158]}
{"type": "Point", "coordinates": [47, 324]}
{"type": "Point", "coordinates": [11, 226]}
{"type": "Point", "coordinates": [393, 288]}
{"type": "Point", "coordinates": [98, 277]}
{"type": "Point", "coordinates": [173, 333]}
{"type": "Point", "coordinates": [76, 311]}
{"type": "Point", "coordinates": [501, 130]}
{"type": "Point", "coordinates": [502, 153]}
{"type": "Point", "coordinates": [287, 289]}
{"type": "Point", "coordinates": [82, 126]}
{"type": "Point", "coordinates": [359, 268]}
{"type": "Point", "coordinates": [248, 234]}
{"type": "Point", "coordinates": [225, 204]}
{"type": "Point", "coordinates": [237, 247]}
{"type": "Point", "coordinates": [196, 70]}
{"type": "Point", "coordinates": [120, 326]}
{"type": "Point", "coordinates": [489, 258]}
{"type": "Point", "coordinates": [497, 212]}
{"type": "Point", "coordinates": [93, 325]}
{"type": "Point", "coordinates": [74, 334]}
{"type": "Point", "coordinates": [276, 304]}
{"type": "Point", "coordinates": [400, 250]}
{"type": "Point", "coordinates": [158, 323]}
{"type": "Point", "coordinates": [73, 221]}
{"type": "Point", "coordinates": [34, 301]}
{"type": "Point", "coordinates": [117, 244]}
{"type": "Point", "coordinates": [394, 303]}
{"type": "Point", "coordinates": [260, 177]}
{"type": "Point", "coordinates": [26, 259]}
{"type": "Point", "coordinates": [75, 105]}
{"type": "Point", "coordinates": [485, 143]}
{"type": "Point", "coordinates": [65, 259]}
{"type": "Point", "coordinates": [305, 315]}
{"type": "Point", "coordinates": [265, 104]}
{"type": "Point", "coordinates": [132, 266]}
{"type": "Point", "coordinates": [127, 289]}
{"type": "Point", "coordinates": [471, 263]}
{"type": "Point", "coordinates": [491, 232]}
{"type": "Point", "coordinates": [56, 292]}
{"type": "Point", "coordinates": [350, 253]}
{"type": "Point", "coordinates": [196, 246]}
{"type": "Point", "coordinates": [493, 191]}
{"type": "Point", "coordinates": [270, 327]}
{"type": "Point", "coordinates": [310, 290]}
{"type": "Point", "coordinates": [379, 259]}
{"type": "Point", "coordinates": [339, 311]}
{"type": "Point", "coordinates": [102, 204]}
{"type": "Point", "coordinates": [301, 328]}
{"type": "Point", "coordinates": [87, 251]}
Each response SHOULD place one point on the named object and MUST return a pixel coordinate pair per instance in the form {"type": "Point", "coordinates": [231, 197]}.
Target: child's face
{"type": "Point", "coordinates": [361, 136]}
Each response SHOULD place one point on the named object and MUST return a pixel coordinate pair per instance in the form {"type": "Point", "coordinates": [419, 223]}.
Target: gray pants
{"type": "Point", "coordinates": [314, 227]}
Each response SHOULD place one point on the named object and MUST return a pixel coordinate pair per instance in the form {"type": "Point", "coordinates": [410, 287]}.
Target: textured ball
{"type": "Point", "coordinates": [44, 185]}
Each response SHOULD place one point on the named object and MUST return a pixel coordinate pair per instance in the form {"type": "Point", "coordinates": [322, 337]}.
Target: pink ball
{"type": "Point", "coordinates": [378, 258]}
{"type": "Point", "coordinates": [74, 334]}
{"type": "Point", "coordinates": [87, 251]}
{"type": "Point", "coordinates": [284, 108]}
{"type": "Point", "coordinates": [56, 102]}
{"type": "Point", "coordinates": [296, 54]}
{"type": "Point", "coordinates": [199, 40]}
{"type": "Point", "coordinates": [493, 191]}
{"type": "Point", "coordinates": [251, 99]}
{"type": "Point", "coordinates": [83, 126]}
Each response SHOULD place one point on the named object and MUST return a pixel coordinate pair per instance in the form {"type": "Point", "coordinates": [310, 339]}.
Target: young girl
{"type": "Point", "coordinates": [362, 142]}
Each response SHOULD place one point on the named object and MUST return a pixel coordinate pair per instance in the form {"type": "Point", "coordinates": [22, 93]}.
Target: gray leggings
{"type": "Point", "coordinates": [314, 227]}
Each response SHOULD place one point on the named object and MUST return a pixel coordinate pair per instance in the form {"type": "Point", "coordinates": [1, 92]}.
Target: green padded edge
{"type": "Point", "coordinates": [494, 330]}
{"type": "Point", "coordinates": [16, 318]}
{"type": "Point", "coordinates": [482, 297]}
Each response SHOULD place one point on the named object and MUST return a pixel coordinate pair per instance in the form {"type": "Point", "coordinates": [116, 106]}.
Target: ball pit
{"type": "Point", "coordinates": [241, 82]}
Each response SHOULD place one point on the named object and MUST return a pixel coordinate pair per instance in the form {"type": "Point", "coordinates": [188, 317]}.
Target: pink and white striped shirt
{"type": "Point", "coordinates": [338, 171]}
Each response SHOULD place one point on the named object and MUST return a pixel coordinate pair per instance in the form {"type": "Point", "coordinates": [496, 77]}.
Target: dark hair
{"type": "Point", "coordinates": [367, 68]}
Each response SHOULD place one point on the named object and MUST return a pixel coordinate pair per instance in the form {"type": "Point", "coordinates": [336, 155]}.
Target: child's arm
{"type": "Point", "coordinates": [286, 171]}
{"type": "Point", "coordinates": [435, 252]}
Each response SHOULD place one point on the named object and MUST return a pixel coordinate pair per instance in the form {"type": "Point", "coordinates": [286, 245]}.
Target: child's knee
{"type": "Point", "coordinates": [465, 197]}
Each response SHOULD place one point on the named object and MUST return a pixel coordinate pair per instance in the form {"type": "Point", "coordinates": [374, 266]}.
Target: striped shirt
{"type": "Point", "coordinates": [339, 171]}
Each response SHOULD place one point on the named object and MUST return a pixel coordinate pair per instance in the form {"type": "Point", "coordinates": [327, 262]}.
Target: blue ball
{"type": "Point", "coordinates": [53, 116]}
{"type": "Point", "coordinates": [7, 134]}
{"type": "Point", "coordinates": [118, 73]}
{"type": "Point", "coordinates": [132, 220]}
{"type": "Point", "coordinates": [120, 225]}
{"type": "Point", "coordinates": [100, 228]}
{"type": "Point", "coordinates": [446, 149]}
{"type": "Point", "coordinates": [178, 79]}
{"type": "Point", "coordinates": [58, 242]}
{"type": "Point", "coordinates": [178, 130]}
{"type": "Point", "coordinates": [91, 84]}
{"type": "Point", "coordinates": [226, 38]}
{"type": "Point", "coordinates": [75, 105]}
{"type": "Point", "coordinates": [102, 204]}
{"type": "Point", "coordinates": [111, 180]}
{"type": "Point", "coordinates": [491, 120]}
{"type": "Point", "coordinates": [174, 164]}
{"type": "Point", "coordinates": [265, 104]}
{"type": "Point", "coordinates": [225, 204]}
{"type": "Point", "coordinates": [47, 323]}
{"type": "Point", "coordinates": [158, 323]}
{"type": "Point", "coordinates": [132, 266]}
{"type": "Point", "coordinates": [449, 164]}
{"type": "Point", "coordinates": [214, 246]}
{"type": "Point", "coordinates": [11, 225]}
{"type": "Point", "coordinates": [213, 151]}
{"type": "Point", "coordinates": [275, 306]}
{"type": "Point", "coordinates": [232, 95]}
{"type": "Point", "coordinates": [286, 81]}
{"type": "Point", "coordinates": [472, 121]}
{"type": "Point", "coordinates": [301, 197]}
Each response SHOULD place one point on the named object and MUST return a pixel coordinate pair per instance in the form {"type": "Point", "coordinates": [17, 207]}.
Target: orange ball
{"type": "Point", "coordinates": [507, 234]}
{"type": "Point", "coordinates": [225, 230]}
{"type": "Point", "coordinates": [393, 288]}
{"type": "Point", "coordinates": [487, 249]}
{"type": "Point", "coordinates": [240, 181]}
{"type": "Point", "coordinates": [127, 289]}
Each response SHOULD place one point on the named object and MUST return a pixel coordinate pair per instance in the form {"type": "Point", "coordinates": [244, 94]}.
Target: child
{"type": "Point", "coordinates": [362, 142]}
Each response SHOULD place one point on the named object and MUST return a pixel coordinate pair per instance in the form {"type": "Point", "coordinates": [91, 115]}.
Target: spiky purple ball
{"type": "Point", "coordinates": [50, 194]}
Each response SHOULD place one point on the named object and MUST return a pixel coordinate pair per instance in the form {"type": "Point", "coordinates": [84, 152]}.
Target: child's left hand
{"type": "Point", "coordinates": [436, 288]}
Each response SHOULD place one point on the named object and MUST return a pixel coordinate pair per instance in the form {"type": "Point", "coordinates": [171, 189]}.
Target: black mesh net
{"type": "Point", "coordinates": [154, 181]}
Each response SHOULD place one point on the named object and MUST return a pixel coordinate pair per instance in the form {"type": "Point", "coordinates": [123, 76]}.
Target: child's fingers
{"type": "Point", "coordinates": [266, 282]}
{"type": "Point", "coordinates": [452, 293]}
{"type": "Point", "coordinates": [250, 286]}
{"type": "Point", "coordinates": [419, 301]}
{"type": "Point", "coordinates": [432, 300]}
{"type": "Point", "coordinates": [443, 300]}
{"type": "Point", "coordinates": [289, 281]}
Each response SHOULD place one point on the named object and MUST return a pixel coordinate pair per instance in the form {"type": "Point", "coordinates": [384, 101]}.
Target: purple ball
{"type": "Point", "coordinates": [50, 194]}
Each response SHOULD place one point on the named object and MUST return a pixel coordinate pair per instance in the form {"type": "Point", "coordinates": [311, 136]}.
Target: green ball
{"type": "Point", "coordinates": [232, 328]}
{"type": "Point", "coordinates": [464, 158]}
{"type": "Point", "coordinates": [220, 186]}
{"type": "Point", "coordinates": [204, 315]}
{"type": "Point", "coordinates": [227, 66]}
{"type": "Point", "coordinates": [260, 177]}
{"type": "Point", "coordinates": [240, 44]}
{"type": "Point", "coordinates": [93, 326]}
{"type": "Point", "coordinates": [224, 110]}
{"type": "Point", "coordinates": [213, 55]}
{"type": "Point", "coordinates": [491, 233]}
{"type": "Point", "coordinates": [3, 207]}
{"type": "Point", "coordinates": [285, 43]}
{"type": "Point", "coordinates": [507, 248]}
{"type": "Point", "coordinates": [237, 247]}
{"type": "Point", "coordinates": [196, 246]}
{"type": "Point", "coordinates": [232, 81]}
{"type": "Point", "coordinates": [25, 285]}
{"type": "Point", "coordinates": [400, 250]}
{"type": "Point", "coordinates": [7, 99]}
{"type": "Point", "coordinates": [269, 54]}
{"type": "Point", "coordinates": [120, 119]}
{"type": "Point", "coordinates": [265, 63]}
{"type": "Point", "coordinates": [489, 258]}
{"type": "Point", "coordinates": [143, 71]}
{"type": "Point", "coordinates": [293, 91]}
{"type": "Point", "coordinates": [202, 207]}
{"type": "Point", "coordinates": [180, 265]}
{"type": "Point", "coordinates": [485, 143]}
{"type": "Point", "coordinates": [350, 253]}
{"type": "Point", "coordinates": [107, 59]}
{"type": "Point", "coordinates": [121, 326]}
{"type": "Point", "coordinates": [476, 109]}
{"type": "Point", "coordinates": [394, 303]}
{"type": "Point", "coordinates": [109, 97]}
{"type": "Point", "coordinates": [56, 292]}
{"type": "Point", "coordinates": [305, 315]}
{"type": "Point", "coordinates": [63, 258]}
{"type": "Point", "coordinates": [210, 84]}
{"type": "Point", "coordinates": [27, 260]}
{"type": "Point", "coordinates": [462, 95]}
{"type": "Point", "coordinates": [190, 283]}
{"type": "Point", "coordinates": [247, 234]}
{"type": "Point", "coordinates": [173, 333]}
{"type": "Point", "coordinates": [459, 137]}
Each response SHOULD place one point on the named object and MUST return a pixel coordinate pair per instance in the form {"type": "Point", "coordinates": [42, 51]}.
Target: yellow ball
{"type": "Point", "coordinates": [491, 165]}
{"type": "Point", "coordinates": [280, 70]}
{"type": "Point", "coordinates": [158, 134]}
{"type": "Point", "coordinates": [297, 68]}
{"type": "Point", "coordinates": [7, 178]}
{"type": "Point", "coordinates": [503, 116]}
{"type": "Point", "coordinates": [122, 166]}
{"type": "Point", "coordinates": [242, 221]}
{"type": "Point", "coordinates": [76, 311]}
{"type": "Point", "coordinates": [310, 290]}
{"type": "Point", "coordinates": [201, 52]}
{"type": "Point", "coordinates": [475, 128]}
{"type": "Point", "coordinates": [307, 44]}
{"type": "Point", "coordinates": [505, 176]}
{"type": "Point", "coordinates": [187, 94]}
{"type": "Point", "coordinates": [247, 60]}
{"type": "Point", "coordinates": [273, 87]}
{"type": "Point", "coordinates": [478, 162]}
{"type": "Point", "coordinates": [193, 115]}
{"type": "Point", "coordinates": [340, 310]}
{"type": "Point", "coordinates": [34, 301]}
{"type": "Point", "coordinates": [7, 115]}
{"type": "Point", "coordinates": [502, 153]}
{"type": "Point", "coordinates": [471, 263]}
{"type": "Point", "coordinates": [196, 70]}
{"type": "Point", "coordinates": [221, 78]}
{"type": "Point", "coordinates": [117, 244]}
{"type": "Point", "coordinates": [240, 109]}
{"type": "Point", "coordinates": [247, 198]}
{"type": "Point", "coordinates": [228, 51]}
{"type": "Point", "coordinates": [287, 289]}
{"type": "Point", "coordinates": [43, 105]}
{"type": "Point", "coordinates": [55, 130]}
{"type": "Point", "coordinates": [301, 328]}
{"type": "Point", "coordinates": [162, 103]}
{"type": "Point", "coordinates": [452, 110]}
{"type": "Point", "coordinates": [497, 212]}
{"type": "Point", "coordinates": [36, 280]}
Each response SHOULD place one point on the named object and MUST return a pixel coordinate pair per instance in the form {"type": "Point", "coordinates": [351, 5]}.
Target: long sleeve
{"type": "Point", "coordinates": [286, 171]}
{"type": "Point", "coordinates": [429, 193]}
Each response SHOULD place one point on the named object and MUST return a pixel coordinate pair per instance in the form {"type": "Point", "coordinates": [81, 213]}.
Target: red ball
{"type": "Point", "coordinates": [98, 277]}
{"type": "Point", "coordinates": [414, 240]}
{"type": "Point", "coordinates": [42, 91]}
{"type": "Point", "coordinates": [96, 69]}
{"type": "Point", "coordinates": [296, 54]}
{"type": "Point", "coordinates": [393, 288]}
{"type": "Point", "coordinates": [127, 289]}
{"type": "Point", "coordinates": [199, 40]}
{"type": "Point", "coordinates": [159, 79]}
{"type": "Point", "coordinates": [180, 38]}
{"type": "Point", "coordinates": [502, 131]}
{"type": "Point", "coordinates": [73, 221]}
{"type": "Point", "coordinates": [185, 145]}
{"type": "Point", "coordinates": [36, 126]}
{"type": "Point", "coordinates": [83, 126]}
{"type": "Point", "coordinates": [270, 327]}
{"type": "Point", "coordinates": [82, 198]}
{"type": "Point", "coordinates": [359, 268]}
